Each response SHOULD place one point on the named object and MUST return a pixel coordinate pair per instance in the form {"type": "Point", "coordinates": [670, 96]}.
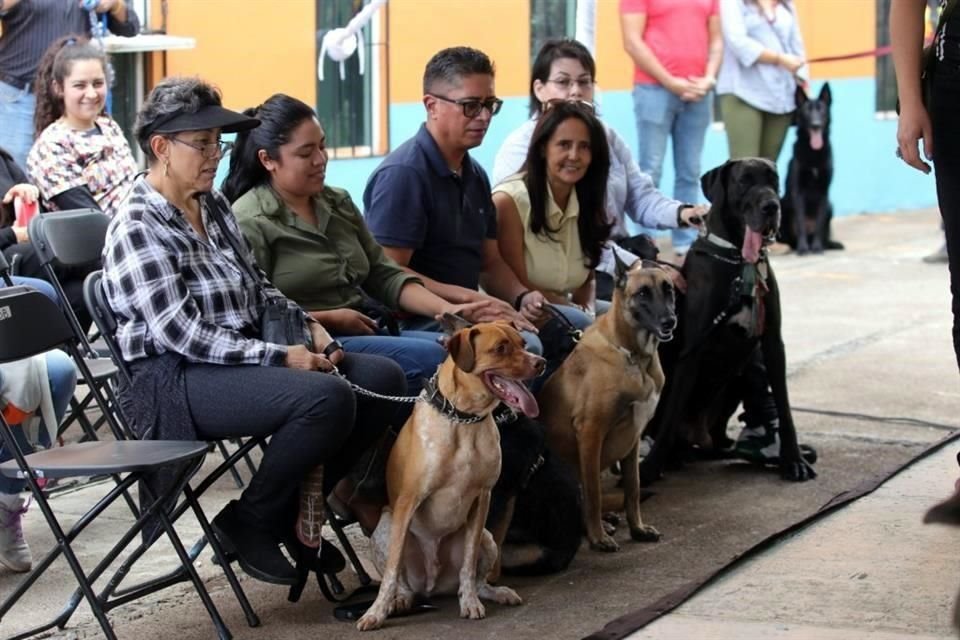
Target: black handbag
{"type": "Point", "coordinates": [279, 323]}
{"type": "Point", "coordinates": [928, 59]}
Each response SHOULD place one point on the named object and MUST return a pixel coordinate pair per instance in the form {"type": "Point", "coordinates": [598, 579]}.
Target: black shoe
{"type": "Point", "coordinates": [256, 550]}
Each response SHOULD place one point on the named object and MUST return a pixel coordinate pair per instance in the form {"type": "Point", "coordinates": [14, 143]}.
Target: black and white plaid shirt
{"type": "Point", "coordinates": [172, 291]}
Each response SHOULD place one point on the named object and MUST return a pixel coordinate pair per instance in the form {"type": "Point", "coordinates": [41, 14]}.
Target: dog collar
{"type": "Point", "coordinates": [431, 394]}
{"type": "Point", "coordinates": [723, 243]}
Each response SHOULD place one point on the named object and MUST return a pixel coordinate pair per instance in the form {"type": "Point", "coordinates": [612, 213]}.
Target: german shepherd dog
{"type": "Point", "coordinates": [805, 208]}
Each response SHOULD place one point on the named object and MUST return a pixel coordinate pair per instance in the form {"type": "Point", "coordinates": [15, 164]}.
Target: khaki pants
{"type": "Point", "coordinates": [751, 132]}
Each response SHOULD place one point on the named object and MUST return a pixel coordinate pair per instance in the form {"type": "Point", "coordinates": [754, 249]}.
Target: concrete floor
{"type": "Point", "coordinates": [867, 333]}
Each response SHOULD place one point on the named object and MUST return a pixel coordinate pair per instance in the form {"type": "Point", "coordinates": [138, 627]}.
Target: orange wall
{"type": "Point", "coordinates": [249, 49]}
{"type": "Point", "coordinates": [420, 28]}
{"type": "Point", "coordinates": [270, 46]}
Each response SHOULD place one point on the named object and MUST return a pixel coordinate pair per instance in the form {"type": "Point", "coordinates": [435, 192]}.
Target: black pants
{"type": "Point", "coordinates": [312, 419]}
{"type": "Point", "coordinates": [944, 114]}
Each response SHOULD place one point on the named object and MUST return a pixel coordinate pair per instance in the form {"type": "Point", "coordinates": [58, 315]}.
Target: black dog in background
{"type": "Point", "coordinates": [805, 208]}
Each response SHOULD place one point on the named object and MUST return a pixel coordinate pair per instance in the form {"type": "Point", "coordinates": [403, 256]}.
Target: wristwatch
{"type": "Point", "coordinates": [332, 347]}
{"type": "Point", "coordinates": [680, 223]}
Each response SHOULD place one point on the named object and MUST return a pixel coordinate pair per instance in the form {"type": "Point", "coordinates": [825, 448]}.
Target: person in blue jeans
{"type": "Point", "coordinates": [28, 28]}
{"type": "Point", "coordinates": [62, 376]}
{"type": "Point", "coordinates": [312, 243]}
{"type": "Point", "coordinates": [676, 47]}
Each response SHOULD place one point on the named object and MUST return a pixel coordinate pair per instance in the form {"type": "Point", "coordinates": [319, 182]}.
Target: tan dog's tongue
{"type": "Point", "coordinates": [752, 242]}
{"type": "Point", "coordinates": [816, 140]}
{"type": "Point", "coordinates": [519, 398]}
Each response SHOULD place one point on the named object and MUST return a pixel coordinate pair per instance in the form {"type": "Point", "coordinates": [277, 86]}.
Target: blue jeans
{"type": "Point", "coordinates": [661, 116]}
{"type": "Point", "coordinates": [63, 380]}
{"type": "Point", "coordinates": [418, 353]}
{"type": "Point", "coordinates": [423, 323]}
{"type": "Point", "coordinates": [42, 286]}
{"type": "Point", "coordinates": [16, 114]}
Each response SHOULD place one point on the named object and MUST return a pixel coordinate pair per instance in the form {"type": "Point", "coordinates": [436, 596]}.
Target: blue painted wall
{"type": "Point", "coordinates": [868, 177]}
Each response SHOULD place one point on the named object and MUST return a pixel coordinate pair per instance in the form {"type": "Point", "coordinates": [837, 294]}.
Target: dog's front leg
{"type": "Point", "coordinates": [589, 446]}
{"type": "Point", "coordinates": [382, 607]}
{"type": "Point", "coordinates": [470, 605]}
{"type": "Point", "coordinates": [792, 465]}
{"type": "Point", "coordinates": [820, 232]}
{"type": "Point", "coordinates": [630, 466]}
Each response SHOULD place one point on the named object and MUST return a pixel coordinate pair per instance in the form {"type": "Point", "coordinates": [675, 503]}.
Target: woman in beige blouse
{"type": "Point", "coordinates": [551, 225]}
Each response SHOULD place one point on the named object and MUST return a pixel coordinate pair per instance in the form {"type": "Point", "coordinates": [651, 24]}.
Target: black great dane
{"type": "Point", "coordinates": [730, 309]}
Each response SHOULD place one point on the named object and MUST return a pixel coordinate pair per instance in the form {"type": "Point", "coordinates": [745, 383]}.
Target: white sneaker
{"type": "Point", "coordinates": [14, 552]}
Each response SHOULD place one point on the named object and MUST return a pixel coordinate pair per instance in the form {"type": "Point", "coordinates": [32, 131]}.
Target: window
{"type": "Point", "coordinates": [550, 19]}
{"type": "Point", "coordinates": [886, 82]}
{"type": "Point", "coordinates": [351, 108]}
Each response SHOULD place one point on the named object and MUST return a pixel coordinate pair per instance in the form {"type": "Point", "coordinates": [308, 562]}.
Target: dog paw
{"type": "Point", "coordinates": [610, 521]}
{"type": "Point", "coordinates": [645, 533]}
{"type": "Point", "coordinates": [604, 543]}
{"type": "Point", "coordinates": [402, 602]}
{"type": "Point", "coordinates": [472, 608]}
{"type": "Point", "coordinates": [797, 471]}
{"type": "Point", "coordinates": [500, 595]}
{"type": "Point", "coordinates": [370, 621]}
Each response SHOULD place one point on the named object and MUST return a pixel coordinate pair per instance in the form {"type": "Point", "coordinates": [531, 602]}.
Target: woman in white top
{"type": "Point", "coordinates": [551, 223]}
{"type": "Point", "coordinates": [564, 69]}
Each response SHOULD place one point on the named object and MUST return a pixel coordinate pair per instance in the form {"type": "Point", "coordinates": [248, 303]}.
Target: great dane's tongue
{"type": "Point", "coordinates": [752, 242]}
{"type": "Point", "coordinates": [816, 139]}
{"type": "Point", "coordinates": [514, 394]}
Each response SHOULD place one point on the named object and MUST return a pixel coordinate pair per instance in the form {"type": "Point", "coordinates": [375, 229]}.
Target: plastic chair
{"type": "Point", "coordinates": [31, 324]}
{"type": "Point", "coordinates": [75, 239]}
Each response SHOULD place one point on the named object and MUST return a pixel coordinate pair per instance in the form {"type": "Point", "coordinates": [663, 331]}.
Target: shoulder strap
{"type": "Point", "coordinates": [213, 208]}
{"type": "Point", "coordinates": [945, 15]}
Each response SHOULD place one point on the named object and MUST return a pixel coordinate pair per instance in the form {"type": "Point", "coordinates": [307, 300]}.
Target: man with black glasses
{"type": "Point", "coordinates": [428, 204]}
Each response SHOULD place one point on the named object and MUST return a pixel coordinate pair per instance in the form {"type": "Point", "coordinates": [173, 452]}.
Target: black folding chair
{"type": "Point", "coordinates": [74, 240]}
{"type": "Point", "coordinates": [106, 322]}
{"type": "Point", "coordinates": [31, 324]}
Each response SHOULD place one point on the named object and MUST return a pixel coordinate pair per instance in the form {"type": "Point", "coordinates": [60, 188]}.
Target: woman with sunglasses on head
{"type": "Point", "coordinates": [565, 70]}
{"type": "Point", "coordinates": [81, 158]}
{"type": "Point", "coordinates": [175, 273]}
{"type": "Point", "coordinates": [551, 222]}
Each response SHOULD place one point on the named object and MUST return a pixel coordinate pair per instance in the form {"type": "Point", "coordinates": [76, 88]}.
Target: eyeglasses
{"type": "Point", "coordinates": [472, 107]}
{"type": "Point", "coordinates": [586, 105]}
{"type": "Point", "coordinates": [565, 83]}
{"type": "Point", "coordinates": [209, 150]}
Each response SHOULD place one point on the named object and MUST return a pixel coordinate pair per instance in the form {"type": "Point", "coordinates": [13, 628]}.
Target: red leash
{"type": "Point", "coordinates": [879, 52]}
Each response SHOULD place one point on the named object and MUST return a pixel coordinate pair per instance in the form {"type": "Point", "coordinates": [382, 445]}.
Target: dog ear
{"type": "Point", "coordinates": [620, 271]}
{"type": "Point", "coordinates": [825, 96]}
{"type": "Point", "coordinates": [713, 184]}
{"type": "Point", "coordinates": [453, 322]}
{"type": "Point", "coordinates": [800, 96]}
{"type": "Point", "coordinates": [460, 347]}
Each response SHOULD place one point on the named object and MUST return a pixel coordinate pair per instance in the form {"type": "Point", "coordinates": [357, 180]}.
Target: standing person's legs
{"type": "Point", "coordinates": [651, 107]}
{"type": "Point", "coordinates": [946, 148]}
{"type": "Point", "coordinates": [774, 132]}
{"type": "Point", "coordinates": [689, 133]}
{"type": "Point", "coordinates": [743, 125]}
{"type": "Point", "coordinates": [14, 552]}
{"type": "Point", "coordinates": [16, 114]}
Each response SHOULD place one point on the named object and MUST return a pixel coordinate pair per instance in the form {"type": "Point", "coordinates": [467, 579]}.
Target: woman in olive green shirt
{"type": "Point", "coordinates": [311, 240]}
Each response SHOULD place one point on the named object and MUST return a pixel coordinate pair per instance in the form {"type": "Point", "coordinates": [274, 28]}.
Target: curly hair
{"type": "Point", "coordinates": [591, 189]}
{"type": "Point", "coordinates": [172, 97]}
{"type": "Point", "coordinates": [55, 66]}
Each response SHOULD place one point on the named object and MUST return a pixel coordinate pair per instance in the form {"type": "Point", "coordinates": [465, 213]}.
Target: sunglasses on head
{"type": "Point", "coordinates": [586, 105]}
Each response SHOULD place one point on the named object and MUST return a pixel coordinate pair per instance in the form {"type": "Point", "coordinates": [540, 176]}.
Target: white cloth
{"type": "Point", "coordinates": [25, 385]}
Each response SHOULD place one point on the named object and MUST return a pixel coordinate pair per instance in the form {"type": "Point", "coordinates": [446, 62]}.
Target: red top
{"type": "Point", "coordinates": [677, 34]}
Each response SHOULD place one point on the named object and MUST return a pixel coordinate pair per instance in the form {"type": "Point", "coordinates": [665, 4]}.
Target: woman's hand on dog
{"type": "Point", "coordinates": [694, 216]}
{"type": "Point", "coordinates": [913, 126]}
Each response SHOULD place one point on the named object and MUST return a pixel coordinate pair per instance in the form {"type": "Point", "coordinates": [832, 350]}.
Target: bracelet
{"type": "Point", "coordinates": [680, 223]}
{"type": "Point", "coordinates": [518, 301]}
{"type": "Point", "coordinates": [332, 347]}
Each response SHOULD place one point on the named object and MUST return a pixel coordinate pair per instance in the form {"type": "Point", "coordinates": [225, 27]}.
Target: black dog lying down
{"type": "Point", "coordinates": [806, 207]}
{"type": "Point", "coordinates": [731, 306]}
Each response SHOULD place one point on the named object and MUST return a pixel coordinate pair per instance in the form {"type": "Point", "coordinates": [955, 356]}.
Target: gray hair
{"type": "Point", "coordinates": [449, 66]}
{"type": "Point", "coordinates": [170, 98]}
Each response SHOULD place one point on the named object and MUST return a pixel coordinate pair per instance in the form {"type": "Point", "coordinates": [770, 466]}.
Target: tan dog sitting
{"type": "Point", "coordinates": [597, 403]}
{"type": "Point", "coordinates": [446, 460]}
